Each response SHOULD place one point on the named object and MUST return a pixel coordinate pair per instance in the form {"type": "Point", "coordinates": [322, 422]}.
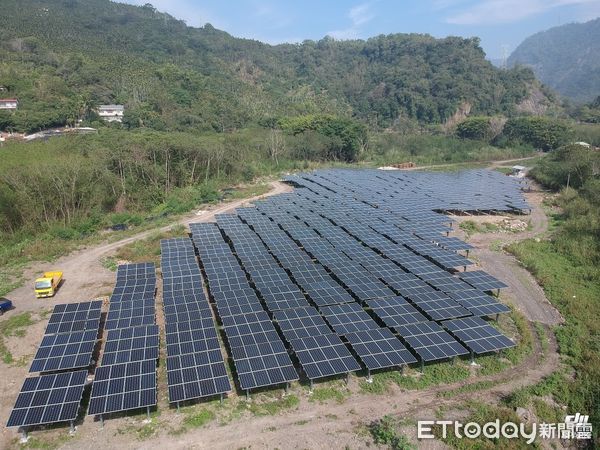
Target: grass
{"type": "Point", "coordinates": [148, 249]}
{"type": "Point", "coordinates": [467, 388]}
{"type": "Point", "coordinates": [13, 326]}
{"type": "Point", "coordinates": [272, 407]}
{"type": "Point", "coordinates": [471, 227]}
{"type": "Point", "coordinates": [110, 263]}
{"type": "Point", "coordinates": [239, 193]}
{"type": "Point", "coordinates": [325, 394]}
{"type": "Point", "coordinates": [385, 432]}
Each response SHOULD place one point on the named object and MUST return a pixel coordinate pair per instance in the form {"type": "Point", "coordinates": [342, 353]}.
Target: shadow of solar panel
{"type": "Point", "coordinates": [68, 318]}
{"type": "Point", "coordinates": [48, 399]}
{"type": "Point", "coordinates": [64, 351]}
{"type": "Point", "coordinates": [478, 335]}
{"type": "Point", "coordinates": [348, 318]}
{"type": "Point", "coordinates": [396, 311]}
{"type": "Point", "coordinates": [122, 387]}
{"type": "Point", "coordinates": [379, 349]}
{"type": "Point", "coordinates": [131, 344]}
{"type": "Point", "coordinates": [263, 365]}
{"type": "Point", "coordinates": [482, 280]}
{"type": "Point", "coordinates": [430, 341]}
{"type": "Point", "coordinates": [324, 355]}
{"type": "Point", "coordinates": [197, 375]}
{"type": "Point", "coordinates": [479, 303]}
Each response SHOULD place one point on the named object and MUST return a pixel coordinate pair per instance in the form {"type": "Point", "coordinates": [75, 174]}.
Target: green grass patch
{"type": "Point", "coordinates": [270, 408]}
{"type": "Point", "coordinates": [148, 249]}
{"type": "Point", "coordinates": [246, 191]}
{"type": "Point", "coordinates": [385, 432]}
{"type": "Point", "coordinates": [110, 263]}
{"type": "Point", "coordinates": [199, 418]}
{"type": "Point", "coordinates": [325, 394]}
{"type": "Point", "coordinates": [13, 326]}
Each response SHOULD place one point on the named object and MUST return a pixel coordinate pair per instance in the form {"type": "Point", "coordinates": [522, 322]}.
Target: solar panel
{"type": "Point", "coordinates": [396, 311]}
{"type": "Point", "coordinates": [430, 341]}
{"type": "Point", "coordinates": [48, 399]}
{"type": "Point", "coordinates": [301, 322]}
{"type": "Point", "coordinates": [323, 355]}
{"type": "Point", "coordinates": [130, 314]}
{"type": "Point", "coordinates": [379, 349]}
{"type": "Point", "coordinates": [348, 318]}
{"type": "Point", "coordinates": [122, 387]}
{"type": "Point", "coordinates": [65, 351]}
{"type": "Point", "coordinates": [482, 280]}
{"type": "Point", "coordinates": [133, 271]}
{"type": "Point", "coordinates": [479, 303]}
{"type": "Point", "coordinates": [438, 306]}
{"type": "Point", "coordinates": [478, 335]}
{"type": "Point", "coordinates": [67, 318]}
{"type": "Point", "coordinates": [131, 344]}
{"type": "Point", "coordinates": [192, 341]}
{"type": "Point", "coordinates": [263, 365]}
{"type": "Point", "coordinates": [196, 375]}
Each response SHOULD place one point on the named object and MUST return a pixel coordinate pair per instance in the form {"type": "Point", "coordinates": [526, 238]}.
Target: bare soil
{"type": "Point", "coordinates": [310, 424]}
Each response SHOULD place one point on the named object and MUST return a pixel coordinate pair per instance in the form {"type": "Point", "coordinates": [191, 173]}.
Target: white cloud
{"type": "Point", "coordinates": [358, 15]}
{"type": "Point", "coordinates": [507, 11]}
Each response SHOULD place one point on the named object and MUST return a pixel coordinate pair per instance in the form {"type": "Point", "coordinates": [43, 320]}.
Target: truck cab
{"type": "Point", "coordinates": [47, 284]}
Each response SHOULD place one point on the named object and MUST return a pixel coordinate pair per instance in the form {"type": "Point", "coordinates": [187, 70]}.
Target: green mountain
{"type": "Point", "coordinates": [63, 57]}
{"type": "Point", "coordinates": [566, 58]}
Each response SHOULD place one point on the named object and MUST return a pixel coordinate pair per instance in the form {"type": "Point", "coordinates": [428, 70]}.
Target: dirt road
{"type": "Point", "coordinates": [86, 278]}
{"type": "Point", "coordinates": [523, 290]}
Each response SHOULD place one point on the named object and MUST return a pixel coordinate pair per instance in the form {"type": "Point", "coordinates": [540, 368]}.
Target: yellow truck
{"type": "Point", "coordinates": [47, 284]}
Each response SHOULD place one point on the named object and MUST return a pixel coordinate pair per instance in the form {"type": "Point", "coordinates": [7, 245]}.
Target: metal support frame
{"type": "Point", "coordinates": [310, 385]}
{"type": "Point", "coordinates": [369, 377]}
{"type": "Point", "coordinates": [286, 388]}
{"type": "Point", "coordinates": [177, 406]}
{"type": "Point", "coordinates": [221, 399]}
{"type": "Point", "coordinates": [24, 436]}
{"type": "Point", "coordinates": [102, 420]}
{"type": "Point", "coordinates": [71, 427]}
{"type": "Point", "coordinates": [422, 366]}
{"type": "Point", "coordinates": [473, 363]}
{"type": "Point", "coordinates": [148, 412]}
{"type": "Point", "coordinates": [347, 378]}
{"type": "Point", "coordinates": [497, 317]}
{"type": "Point", "coordinates": [247, 394]}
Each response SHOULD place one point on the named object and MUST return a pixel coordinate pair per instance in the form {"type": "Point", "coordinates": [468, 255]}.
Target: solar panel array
{"type": "Point", "coordinates": [195, 364]}
{"type": "Point", "coordinates": [259, 356]}
{"type": "Point", "coordinates": [68, 344]}
{"type": "Point", "coordinates": [126, 379]}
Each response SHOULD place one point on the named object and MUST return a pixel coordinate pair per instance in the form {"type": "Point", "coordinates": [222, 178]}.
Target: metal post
{"type": "Point", "coordinates": [102, 420]}
{"type": "Point", "coordinates": [347, 378]}
{"type": "Point", "coordinates": [402, 369]}
{"type": "Point", "coordinates": [221, 400]}
{"type": "Point", "coordinates": [286, 388]}
{"type": "Point", "coordinates": [148, 412]}
{"type": "Point", "coordinates": [467, 253]}
{"type": "Point", "coordinates": [24, 437]}
{"type": "Point", "coordinates": [497, 317]}
{"type": "Point", "coordinates": [422, 366]}
{"type": "Point", "coordinates": [369, 378]}
{"type": "Point", "coordinates": [72, 430]}
{"type": "Point", "coordinates": [473, 358]}
{"type": "Point", "coordinates": [498, 292]}
{"type": "Point", "coordinates": [310, 385]}
{"type": "Point", "coordinates": [452, 360]}
{"type": "Point", "coordinates": [247, 394]}
{"type": "Point", "coordinates": [177, 406]}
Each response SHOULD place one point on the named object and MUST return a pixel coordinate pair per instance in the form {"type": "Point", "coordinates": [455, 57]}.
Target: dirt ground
{"type": "Point", "coordinates": [310, 424]}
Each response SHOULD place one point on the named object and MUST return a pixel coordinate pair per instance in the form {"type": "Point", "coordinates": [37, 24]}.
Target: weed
{"type": "Point", "coordinates": [384, 432]}
{"type": "Point", "coordinates": [14, 326]}
{"type": "Point", "coordinates": [324, 394]}
{"type": "Point", "coordinates": [271, 408]}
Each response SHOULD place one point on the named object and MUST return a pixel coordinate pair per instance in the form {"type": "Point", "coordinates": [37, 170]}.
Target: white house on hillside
{"type": "Point", "coordinates": [111, 113]}
{"type": "Point", "coordinates": [9, 103]}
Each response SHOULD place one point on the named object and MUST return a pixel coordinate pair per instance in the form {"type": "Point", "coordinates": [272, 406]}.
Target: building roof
{"type": "Point", "coordinates": [519, 167]}
{"type": "Point", "coordinates": [11, 100]}
{"type": "Point", "coordinates": [117, 107]}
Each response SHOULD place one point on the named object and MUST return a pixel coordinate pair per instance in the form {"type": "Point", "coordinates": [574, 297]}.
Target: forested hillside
{"type": "Point", "coordinates": [566, 58]}
{"type": "Point", "coordinates": [63, 57]}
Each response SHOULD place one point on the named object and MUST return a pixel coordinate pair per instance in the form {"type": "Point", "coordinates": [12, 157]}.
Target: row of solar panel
{"type": "Point", "coordinates": [195, 364]}
{"type": "Point", "coordinates": [126, 379]}
{"type": "Point", "coordinates": [68, 344]}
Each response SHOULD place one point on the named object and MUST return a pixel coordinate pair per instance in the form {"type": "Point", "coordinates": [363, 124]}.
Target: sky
{"type": "Point", "coordinates": [501, 24]}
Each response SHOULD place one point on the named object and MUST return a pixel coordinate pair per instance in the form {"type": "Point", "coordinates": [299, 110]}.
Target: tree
{"type": "Point", "coordinates": [541, 132]}
{"type": "Point", "coordinates": [474, 128]}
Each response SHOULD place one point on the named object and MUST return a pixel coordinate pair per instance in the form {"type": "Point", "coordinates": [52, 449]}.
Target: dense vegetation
{"type": "Point", "coordinates": [568, 267]}
{"type": "Point", "coordinates": [62, 58]}
{"type": "Point", "coordinates": [566, 58]}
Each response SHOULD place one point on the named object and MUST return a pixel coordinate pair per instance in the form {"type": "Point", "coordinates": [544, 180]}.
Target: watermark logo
{"type": "Point", "coordinates": [575, 426]}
